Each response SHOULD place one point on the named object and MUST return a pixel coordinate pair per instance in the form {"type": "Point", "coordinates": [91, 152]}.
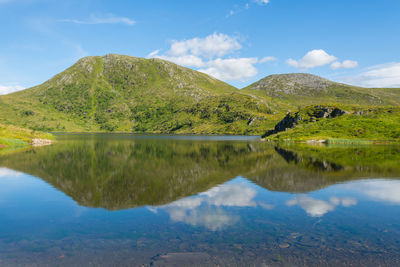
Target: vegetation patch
{"type": "Point", "coordinates": [339, 124]}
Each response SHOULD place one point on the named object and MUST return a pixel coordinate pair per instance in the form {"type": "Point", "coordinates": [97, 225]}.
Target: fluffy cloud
{"type": "Point", "coordinates": [212, 219]}
{"type": "Point", "coordinates": [110, 19]}
{"type": "Point", "coordinates": [314, 58]}
{"type": "Point", "coordinates": [232, 195]}
{"type": "Point", "coordinates": [185, 60]}
{"type": "Point", "coordinates": [316, 207]}
{"type": "Point", "coordinates": [347, 64]}
{"type": "Point", "coordinates": [10, 89]}
{"type": "Point", "coordinates": [210, 46]}
{"type": "Point", "coordinates": [235, 69]}
{"type": "Point", "coordinates": [206, 209]}
{"type": "Point", "coordinates": [208, 54]}
{"type": "Point", "coordinates": [313, 207]}
{"type": "Point", "coordinates": [385, 75]}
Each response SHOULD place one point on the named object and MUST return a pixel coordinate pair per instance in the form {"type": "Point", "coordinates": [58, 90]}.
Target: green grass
{"type": "Point", "coordinates": [12, 137]}
{"type": "Point", "coordinates": [375, 125]}
{"type": "Point", "coordinates": [125, 94]}
{"type": "Point", "coordinates": [116, 93]}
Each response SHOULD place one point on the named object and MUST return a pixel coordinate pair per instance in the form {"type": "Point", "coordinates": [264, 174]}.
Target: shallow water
{"type": "Point", "coordinates": [126, 200]}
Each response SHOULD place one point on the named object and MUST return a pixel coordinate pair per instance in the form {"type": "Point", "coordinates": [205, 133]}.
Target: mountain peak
{"type": "Point", "coordinates": [292, 83]}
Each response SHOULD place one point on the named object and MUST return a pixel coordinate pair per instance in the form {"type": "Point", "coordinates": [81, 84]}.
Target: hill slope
{"type": "Point", "coordinates": [123, 93]}
{"type": "Point", "coordinates": [301, 89]}
{"type": "Point", "coordinates": [339, 124]}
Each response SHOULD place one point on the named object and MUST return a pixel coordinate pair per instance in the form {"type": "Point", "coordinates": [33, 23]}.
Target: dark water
{"type": "Point", "coordinates": [121, 200]}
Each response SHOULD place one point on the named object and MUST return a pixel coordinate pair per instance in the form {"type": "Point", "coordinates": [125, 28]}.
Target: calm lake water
{"type": "Point", "coordinates": [126, 200]}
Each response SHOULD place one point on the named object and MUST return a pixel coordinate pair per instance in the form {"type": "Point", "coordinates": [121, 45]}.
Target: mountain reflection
{"type": "Point", "coordinates": [116, 173]}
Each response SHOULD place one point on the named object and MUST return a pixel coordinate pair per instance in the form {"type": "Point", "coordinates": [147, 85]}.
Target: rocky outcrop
{"type": "Point", "coordinates": [41, 142]}
{"type": "Point", "coordinates": [310, 115]}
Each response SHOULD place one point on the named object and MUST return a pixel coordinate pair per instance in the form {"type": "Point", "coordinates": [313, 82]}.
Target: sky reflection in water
{"type": "Point", "coordinates": [250, 216]}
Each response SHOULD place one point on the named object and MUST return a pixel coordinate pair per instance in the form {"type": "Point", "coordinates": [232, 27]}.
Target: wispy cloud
{"type": "Point", "coordinates": [110, 19]}
{"type": "Point", "coordinates": [267, 59]}
{"type": "Point", "coordinates": [347, 64]}
{"type": "Point", "coordinates": [154, 53]}
{"type": "Point", "coordinates": [262, 2]}
{"type": "Point", "coordinates": [8, 89]}
{"type": "Point", "coordinates": [238, 9]}
{"type": "Point", "coordinates": [383, 75]}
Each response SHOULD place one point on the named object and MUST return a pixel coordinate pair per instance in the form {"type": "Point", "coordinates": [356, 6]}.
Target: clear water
{"type": "Point", "coordinates": [125, 200]}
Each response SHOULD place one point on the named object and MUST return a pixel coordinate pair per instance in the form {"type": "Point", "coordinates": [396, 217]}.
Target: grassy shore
{"type": "Point", "coordinates": [359, 125]}
{"type": "Point", "coordinates": [12, 137]}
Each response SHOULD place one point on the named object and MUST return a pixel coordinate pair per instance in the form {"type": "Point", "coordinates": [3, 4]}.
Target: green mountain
{"type": "Point", "coordinates": [301, 89]}
{"type": "Point", "coordinates": [126, 94]}
{"type": "Point", "coordinates": [123, 93]}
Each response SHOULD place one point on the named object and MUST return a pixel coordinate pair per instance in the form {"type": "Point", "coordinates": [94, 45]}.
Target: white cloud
{"type": "Point", "coordinates": [7, 173]}
{"type": "Point", "coordinates": [10, 89]}
{"type": "Point", "coordinates": [185, 60]}
{"type": "Point", "coordinates": [313, 207]}
{"type": "Point", "coordinates": [314, 58]}
{"type": "Point", "coordinates": [385, 75]}
{"type": "Point", "coordinates": [236, 69]}
{"type": "Point", "coordinates": [232, 195]}
{"type": "Point", "coordinates": [267, 59]}
{"type": "Point", "coordinates": [206, 209]}
{"type": "Point", "coordinates": [266, 206]}
{"type": "Point", "coordinates": [316, 207]}
{"type": "Point", "coordinates": [262, 2]}
{"type": "Point", "coordinates": [346, 201]}
{"type": "Point", "coordinates": [110, 19]}
{"type": "Point", "coordinates": [380, 190]}
{"type": "Point", "coordinates": [154, 53]}
{"type": "Point", "coordinates": [347, 64]}
{"type": "Point", "coordinates": [212, 219]}
{"type": "Point", "coordinates": [208, 54]}
{"type": "Point", "coordinates": [216, 44]}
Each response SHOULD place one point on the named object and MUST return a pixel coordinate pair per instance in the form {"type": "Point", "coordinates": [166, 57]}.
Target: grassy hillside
{"type": "Point", "coordinates": [123, 93]}
{"type": "Point", "coordinates": [301, 89]}
{"type": "Point", "coordinates": [116, 93]}
{"type": "Point", "coordinates": [356, 124]}
{"type": "Point", "coordinates": [12, 137]}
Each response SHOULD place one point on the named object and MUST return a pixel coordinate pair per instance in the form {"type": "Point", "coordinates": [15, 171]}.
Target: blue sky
{"type": "Point", "coordinates": [353, 41]}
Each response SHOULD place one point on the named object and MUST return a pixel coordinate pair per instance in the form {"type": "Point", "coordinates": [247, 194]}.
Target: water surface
{"type": "Point", "coordinates": [126, 200]}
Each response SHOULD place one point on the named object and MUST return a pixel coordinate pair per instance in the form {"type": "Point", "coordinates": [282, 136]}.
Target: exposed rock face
{"type": "Point", "coordinates": [315, 113]}
{"type": "Point", "coordinates": [292, 83]}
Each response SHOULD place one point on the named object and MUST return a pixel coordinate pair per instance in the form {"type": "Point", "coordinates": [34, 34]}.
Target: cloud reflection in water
{"type": "Point", "coordinates": [206, 209]}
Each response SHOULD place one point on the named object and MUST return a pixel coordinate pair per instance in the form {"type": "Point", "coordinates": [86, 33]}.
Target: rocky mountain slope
{"type": "Point", "coordinates": [119, 93]}
{"type": "Point", "coordinates": [123, 93]}
{"type": "Point", "coordinates": [303, 89]}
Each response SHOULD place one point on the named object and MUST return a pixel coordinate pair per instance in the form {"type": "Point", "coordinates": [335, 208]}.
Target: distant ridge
{"type": "Point", "coordinates": [314, 89]}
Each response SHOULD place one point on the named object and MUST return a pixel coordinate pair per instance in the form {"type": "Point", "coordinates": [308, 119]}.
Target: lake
{"type": "Point", "coordinates": [130, 200]}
